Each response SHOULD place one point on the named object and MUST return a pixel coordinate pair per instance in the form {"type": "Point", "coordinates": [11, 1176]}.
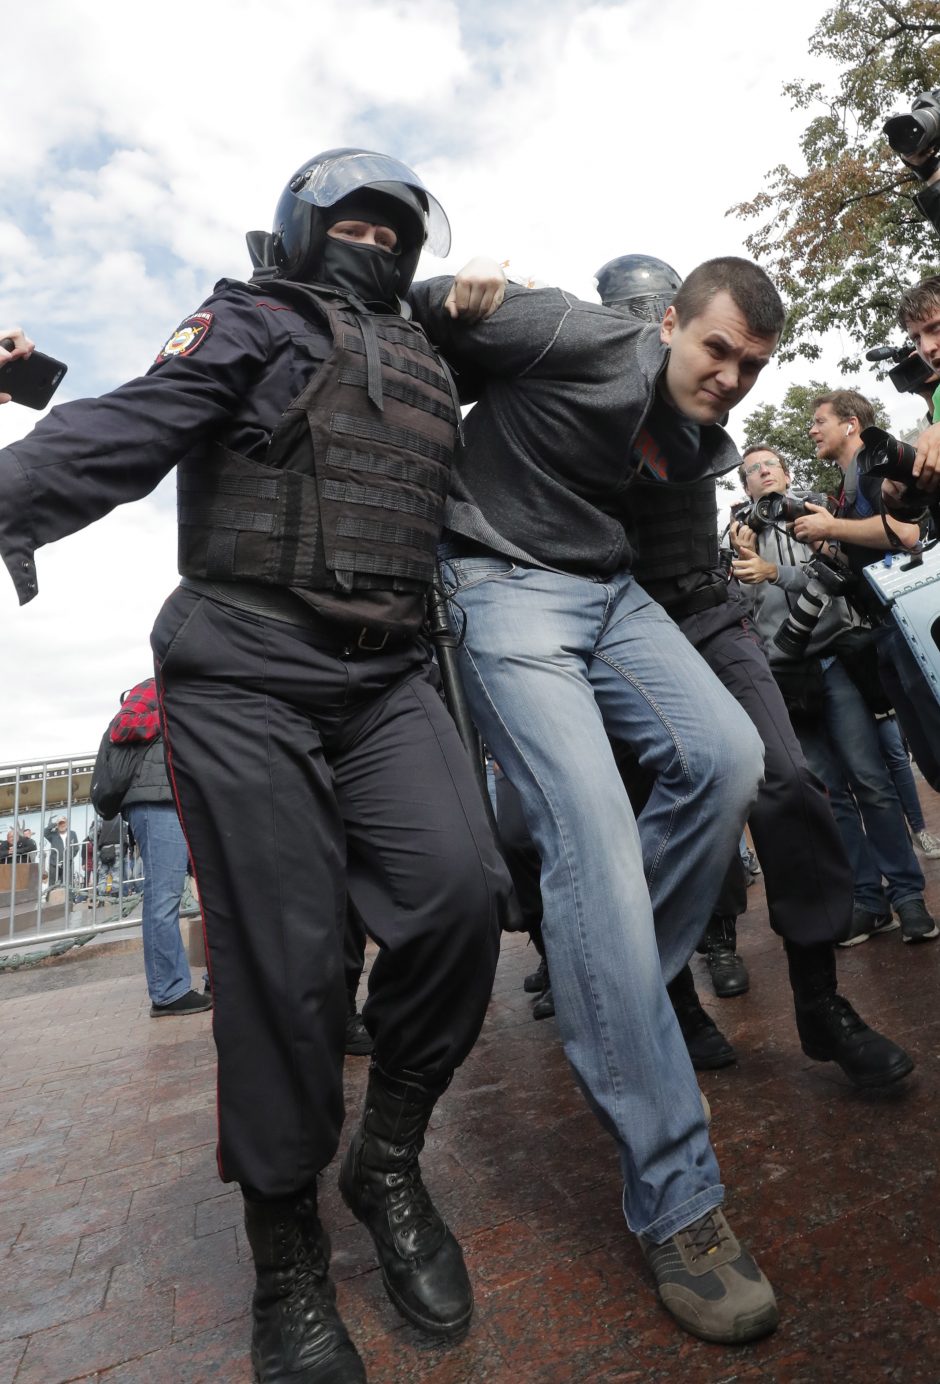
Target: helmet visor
{"type": "Point", "coordinates": [332, 178]}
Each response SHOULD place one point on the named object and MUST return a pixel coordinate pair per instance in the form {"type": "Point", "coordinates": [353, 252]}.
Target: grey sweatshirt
{"type": "Point", "coordinates": [565, 387]}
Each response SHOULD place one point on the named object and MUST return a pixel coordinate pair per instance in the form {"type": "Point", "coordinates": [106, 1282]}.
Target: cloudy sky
{"type": "Point", "coordinates": [143, 141]}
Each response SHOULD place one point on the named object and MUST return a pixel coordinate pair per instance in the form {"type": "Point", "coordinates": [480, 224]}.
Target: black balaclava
{"type": "Point", "coordinates": [369, 273]}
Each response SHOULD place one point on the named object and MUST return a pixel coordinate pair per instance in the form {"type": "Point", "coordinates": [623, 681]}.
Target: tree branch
{"type": "Point", "coordinates": [872, 192]}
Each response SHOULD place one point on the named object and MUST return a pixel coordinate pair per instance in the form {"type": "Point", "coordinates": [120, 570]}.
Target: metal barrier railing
{"type": "Point", "coordinates": [58, 884]}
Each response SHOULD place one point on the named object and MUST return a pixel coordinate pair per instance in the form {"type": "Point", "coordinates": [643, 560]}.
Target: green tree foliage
{"type": "Point", "coordinates": [784, 426]}
{"type": "Point", "coordinates": [842, 238]}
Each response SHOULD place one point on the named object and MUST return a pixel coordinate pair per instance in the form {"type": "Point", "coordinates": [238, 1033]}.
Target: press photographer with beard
{"type": "Point", "coordinates": [830, 714]}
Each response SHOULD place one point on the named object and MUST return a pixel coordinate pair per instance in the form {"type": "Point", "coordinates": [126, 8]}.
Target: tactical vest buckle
{"type": "Point", "coordinates": [363, 641]}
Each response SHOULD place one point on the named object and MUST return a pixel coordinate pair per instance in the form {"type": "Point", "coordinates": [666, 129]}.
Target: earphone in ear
{"type": "Point", "coordinates": [848, 430]}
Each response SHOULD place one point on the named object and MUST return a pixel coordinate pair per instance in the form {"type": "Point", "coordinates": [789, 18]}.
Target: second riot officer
{"type": "Point", "coordinates": [314, 430]}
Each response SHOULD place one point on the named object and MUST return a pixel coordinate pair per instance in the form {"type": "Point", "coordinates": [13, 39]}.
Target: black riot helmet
{"type": "Point", "coordinates": [308, 206]}
{"type": "Point", "coordinates": [639, 284]}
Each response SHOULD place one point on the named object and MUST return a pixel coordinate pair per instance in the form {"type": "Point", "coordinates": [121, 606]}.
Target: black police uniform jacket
{"type": "Point", "coordinates": [314, 444]}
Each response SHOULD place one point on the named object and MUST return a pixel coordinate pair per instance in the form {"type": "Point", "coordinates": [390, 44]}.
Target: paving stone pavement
{"type": "Point", "coordinates": [124, 1259]}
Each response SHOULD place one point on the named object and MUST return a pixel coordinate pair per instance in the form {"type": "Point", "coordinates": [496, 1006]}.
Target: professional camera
{"type": "Point", "coordinates": [885, 456]}
{"type": "Point", "coordinates": [911, 372]}
{"type": "Point", "coordinates": [781, 509]}
{"type": "Point", "coordinates": [826, 580]}
{"type": "Point", "coordinates": [892, 460]}
{"type": "Point", "coordinates": [918, 132]}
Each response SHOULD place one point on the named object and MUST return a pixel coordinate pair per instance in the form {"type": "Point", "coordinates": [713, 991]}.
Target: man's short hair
{"type": "Point", "coordinates": [846, 404]}
{"type": "Point", "coordinates": [761, 447]}
{"type": "Point", "coordinates": [750, 289]}
{"type": "Point", "coordinates": [919, 301]}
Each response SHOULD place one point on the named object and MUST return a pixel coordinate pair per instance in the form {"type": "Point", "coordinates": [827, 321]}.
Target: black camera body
{"type": "Point", "coordinates": [773, 509]}
{"type": "Point", "coordinates": [919, 131]}
{"type": "Point", "coordinates": [886, 456]}
{"type": "Point", "coordinates": [893, 460]}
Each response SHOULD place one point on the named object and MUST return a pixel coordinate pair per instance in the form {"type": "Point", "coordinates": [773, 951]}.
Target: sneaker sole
{"type": "Point", "coordinates": [875, 932]}
{"type": "Point", "coordinates": [922, 936]}
{"type": "Point", "coordinates": [157, 1013]}
{"type": "Point", "coordinates": [746, 1328]}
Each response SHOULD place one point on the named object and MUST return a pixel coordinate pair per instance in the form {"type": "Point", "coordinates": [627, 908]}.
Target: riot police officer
{"type": "Point", "coordinates": [314, 428]}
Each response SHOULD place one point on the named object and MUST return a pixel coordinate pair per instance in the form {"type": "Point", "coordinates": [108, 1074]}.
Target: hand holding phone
{"type": "Point", "coordinates": [27, 376]}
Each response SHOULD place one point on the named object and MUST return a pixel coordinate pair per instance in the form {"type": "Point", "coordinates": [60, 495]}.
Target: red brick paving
{"type": "Point", "coordinates": [124, 1259]}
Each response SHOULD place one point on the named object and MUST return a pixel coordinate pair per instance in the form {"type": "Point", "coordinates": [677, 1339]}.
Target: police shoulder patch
{"type": "Point", "coordinates": [189, 335]}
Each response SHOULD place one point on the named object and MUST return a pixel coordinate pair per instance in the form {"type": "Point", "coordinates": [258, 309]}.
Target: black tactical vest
{"type": "Point", "coordinates": [347, 507]}
{"type": "Point", "coordinates": [673, 528]}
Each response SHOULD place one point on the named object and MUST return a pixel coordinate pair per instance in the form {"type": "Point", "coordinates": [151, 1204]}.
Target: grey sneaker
{"type": "Point", "coordinates": [916, 923]}
{"type": "Point", "coordinates": [710, 1284]}
{"type": "Point", "coordinates": [927, 844]}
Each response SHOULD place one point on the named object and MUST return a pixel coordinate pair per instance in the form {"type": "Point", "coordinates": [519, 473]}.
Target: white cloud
{"type": "Point", "coordinates": [149, 139]}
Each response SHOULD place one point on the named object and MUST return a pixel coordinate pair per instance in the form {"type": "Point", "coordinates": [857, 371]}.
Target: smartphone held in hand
{"type": "Point", "coordinates": [31, 380]}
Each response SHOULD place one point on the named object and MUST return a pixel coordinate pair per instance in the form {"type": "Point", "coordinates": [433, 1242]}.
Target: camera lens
{"type": "Point", "coordinates": [886, 456]}
{"type": "Point", "coordinates": [906, 134]}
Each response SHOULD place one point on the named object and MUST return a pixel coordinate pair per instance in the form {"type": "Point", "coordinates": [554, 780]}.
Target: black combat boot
{"type": "Point", "coordinates": [829, 1028]}
{"type": "Point", "coordinates": [380, 1180]}
{"type": "Point", "coordinates": [537, 981]}
{"type": "Point", "coordinates": [358, 1038]}
{"type": "Point", "coordinates": [727, 970]}
{"type": "Point", "coordinates": [544, 1007]}
{"type": "Point", "coordinates": [708, 1047]}
{"type": "Point", "coordinates": [297, 1335]}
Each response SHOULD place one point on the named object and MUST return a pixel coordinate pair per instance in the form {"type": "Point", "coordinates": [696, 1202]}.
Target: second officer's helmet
{"type": "Point", "coordinates": [639, 284]}
{"type": "Point", "coordinates": [301, 218]}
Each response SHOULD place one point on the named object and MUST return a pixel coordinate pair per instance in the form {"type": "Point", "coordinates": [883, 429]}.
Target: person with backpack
{"type": "Point", "coordinates": [130, 777]}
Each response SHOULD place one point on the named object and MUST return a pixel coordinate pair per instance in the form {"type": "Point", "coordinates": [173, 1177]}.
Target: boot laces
{"type": "Point", "coordinates": [705, 1236]}
{"type": "Point", "coordinates": [838, 1008]}
{"type": "Point", "coordinates": [409, 1200]}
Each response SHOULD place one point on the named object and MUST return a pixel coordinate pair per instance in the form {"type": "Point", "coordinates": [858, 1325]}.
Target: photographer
{"type": "Point", "coordinates": [864, 530]}
{"type": "Point", "coordinates": [915, 138]}
{"type": "Point", "coordinates": [919, 316]}
{"type": "Point", "coordinates": [830, 714]}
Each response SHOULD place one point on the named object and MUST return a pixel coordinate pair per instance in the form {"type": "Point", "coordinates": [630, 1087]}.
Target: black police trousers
{"type": "Point", "coordinates": [806, 871]}
{"type": "Point", "coordinates": [302, 768]}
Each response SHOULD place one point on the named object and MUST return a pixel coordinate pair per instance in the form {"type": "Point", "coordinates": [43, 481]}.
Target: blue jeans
{"type": "Point", "coordinates": [553, 664]}
{"type": "Point", "coordinates": [844, 747]}
{"type": "Point", "coordinates": [162, 845]}
{"type": "Point", "coordinates": [898, 761]}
